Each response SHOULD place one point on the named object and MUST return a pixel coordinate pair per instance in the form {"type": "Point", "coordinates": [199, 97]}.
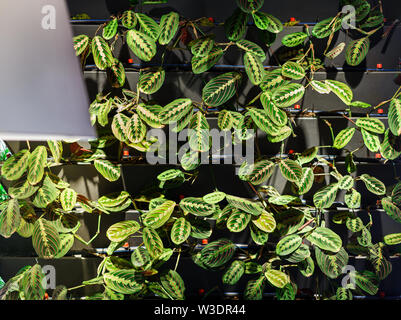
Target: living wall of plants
{"type": "Point", "coordinates": [286, 232]}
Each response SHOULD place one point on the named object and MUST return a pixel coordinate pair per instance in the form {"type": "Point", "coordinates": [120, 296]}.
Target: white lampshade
{"type": "Point", "coordinates": [42, 91]}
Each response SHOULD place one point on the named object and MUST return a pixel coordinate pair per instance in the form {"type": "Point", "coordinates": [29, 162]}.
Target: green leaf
{"type": "Point", "coordinates": [201, 64]}
{"type": "Point", "coordinates": [388, 149]}
{"type": "Point", "coordinates": [343, 138]}
{"type": "Point", "coordinates": [197, 206]}
{"type": "Point", "coordinates": [180, 231]}
{"type": "Point", "coordinates": [320, 87]}
{"type": "Point", "coordinates": [66, 243]}
{"type": "Point", "coordinates": [336, 51]}
{"type": "Point", "coordinates": [10, 219]}
{"type": "Point", "coordinates": [341, 90]}
{"type": "Point", "coordinates": [354, 224]}
{"type": "Point", "coordinates": [235, 25]}
{"type": "Point", "coordinates": [293, 70]}
{"type": "Point", "coordinates": [200, 229]}
{"type": "Point", "coordinates": [175, 110]}
{"type": "Point", "coordinates": [221, 89]}
{"type": "Point", "coordinates": [325, 239]}
{"type": "Point", "coordinates": [254, 289]}
{"type": "Point", "coordinates": [371, 140]}
{"type": "Point", "coordinates": [373, 184]}
{"type": "Point", "coordinates": [267, 22]}
{"type": "Point", "coordinates": [116, 74]}
{"type": "Point", "coordinates": [45, 239]}
{"type": "Point", "coordinates": [277, 278]}
{"type": "Point", "coordinates": [113, 200]}
{"type": "Point", "coordinates": [366, 281]}
{"type": "Point", "coordinates": [168, 27]}
{"type": "Point", "coordinates": [253, 68]}
{"type": "Point", "coordinates": [159, 215]}
{"type": "Point", "coordinates": [307, 267]}
{"type": "Point", "coordinates": [252, 48]}
{"type": "Point", "coordinates": [128, 19]}
{"type": "Point", "coordinates": [356, 51]}
{"type": "Point", "coordinates": [173, 284]}
{"type": "Point", "coordinates": [143, 46]}
{"type": "Point", "coordinates": [250, 6]}
{"type": "Point", "coordinates": [392, 239]}
{"type": "Point", "coordinates": [68, 199]}
{"type": "Point", "coordinates": [36, 165]}
{"type": "Point", "coordinates": [46, 194]}
{"type": "Point", "coordinates": [234, 272]}
{"type": "Point", "coordinates": [107, 169]}
{"type": "Point", "coordinates": [288, 245]}
{"type": "Point", "coordinates": [305, 183]}
{"type": "Point", "coordinates": [394, 117]}
{"type": "Point", "coordinates": [110, 29]}
{"type": "Point", "coordinates": [262, 120]}
{"type": "Point", "coordinates": [140, 258]}
{"type": "Point", "coordinates": [272, 80]}
{"type": "Point", "coordinates": [135, 130]}
{"type": "Point", "coordinates": [118, 126]}
{"type": "Point", "coordinates": [32, 283]}
{"type": "Point", "coordinates": [290, 170]}
{"type": "Point", "coordinates": [148, 26]}
{"type": "Point", "coordinates": [123, 281]}
{"type": "Point", "coordinates": [214, 197]}
{"type": "Point", "coordinates": [151, 81]}
{"type": "Point", "coordinates": [331, 264]}
{"type": "Point", "coordinates": [246, 205]}
{"type": "Point", "coordinates": [198, 135]}
{"type": "Point", "coordinates": [288, 94]}
{"type": "Point", "coordinates": [56, 148]}
{"type": "Point", "coordinates": [371, 124]}
{"type": "Point", "coordinates": [374, 19]}
{"type": "Point", "coordinates": [325, 27]}
{"type": "Point", "coordinates": [122, 230]}
{"type": "Point", "coordinates": [202, 46]}
{"type": "Point", "coordinates": [217, 253]}
{"type": "Point", "coordinates": [102, 55]}
{"type": "Point", "coordinates": [391, 209]}
{"type": "Point", "coordinates": [294, 39]}
{"type": "Point", "coordinates": [81, 42]}
{"type": "Point", "coordinates": [265, 222]}
{"type": "Point", "coordinates": [261, 171]}
{"type": "Point", "coordinates": [153, 242]}
{"type": "Point", "coordinates": [325, 197]}
{"type": "Point", "coordinates": [238, 221]}
{"type": "Point", "coordinates": [15, 166]}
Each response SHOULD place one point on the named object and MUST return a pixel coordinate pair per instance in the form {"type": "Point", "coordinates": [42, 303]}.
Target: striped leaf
{"type": "Point", "coordinates": [277, 278]}
{"type": "Point", "coordinates": [148, 26]}
{"type": "Point", "coordinates": [214, 197]}
{"type": "Point", "coordinates": [293, 70]}
{"type": "Point", "coordinates": [325, 27]}
{"type": "Point", "coordinates": [258, 236]}
{"type": "Point", "coordinates": [277, 115]}
{"type": "Point", "coordinates": [250, 6]}
{"type": "Point", "coordinates": [159, 215]}
{"type": "Point", "coordinates": [202, 46]}
{"type": "Point", "coordinates": [346, 182]}
{"type": "Point", "coordinates": [253, 68]}
{"type": "Point", "coordinates": [320, 86]}
{"type": "Point", "coordinates": [122, 230]}
{"type": "Point", "coordinates": [288, 245]}
{"type": "Point", "coordinates": [305, 183]}
{"type": "Point", "coordinates": [371, 124]}
{"type": "Point", "coordinates": [180, 231]}
{"type": "Point", "coordinates": [175, 110]}
{"type": "Point", "coordinates": [32, 283]}
{"type": "Point", "coordinates": [110, 29]}
{"type": "Point", "coordinates": [373, 184]}
{"type": "Point", "coordinates": [238, 221]}
{"type": "Point", "coordinates": [354, 224]}
{"type": "Point", "coordinates": [197, 206]}
{"type": "Point", "coordinates": [116, 74]}
{"type": "Point", "coordinates": [56, 148]}
{"type": "Point", "coordinates": [254, 289]}
{"type": "Point", "coordinates": [265, 222]}
{"type": "Point", "coordinates": [246, 205]}
{"type": "Point", "coordinates": [307, 267]}
{"type": "Point", "coordinates": [392, 239]}
{"type": "Point", "coordinates": [308, 155]}
{"type": "Point", "coordinates": [341, 90]}
{"type": "Point", "coordinates": [394, 117]}
{"type": "Point", "coordinates": [68, 199]}
{"type": "Point", "coordinates": [352, 199]}
{"type": "Point", "coordinates": [235, 25]}
{"type": "Point", "coordinates": [123, 281]}
{"type": "Point", "coordinates": [343, 138]}
{"type": "Point", "coordinates": [261, 171]}
{"type": "Point", "coordinates": [262, 120]}
{"type": "Point", "coordinates": [272, 80]}
{"type": "Point", "coordinates": [395, 194]}
{"type": "Point", "coordinates": [149, 115]}
{"type": "Point", "coordinates": [135, 130]}
{"type": "Point", "coordinates": [252, 48]}
{"type": "Point", "coordinates": [101, 52]}
{"type": "Point", "coordinates": [201, 64]}
{"type": "Point", "coordinates": [198, 133]}
{"type": "Point", "coordinates": [25, 229]}
{"type": "Point", "coordinates": [81, 43]}
{"type": "Point", "coordinates": [36, 165]}
{"type": "Point", "coordinates": [365, 238]}
{"type": "Point", "coordinates": [234, 272]}
{"type": "Point", "coordinates": [217, 253]}
{"type": "Point", "coordinates": [140, 257]}
{"type": "Point", "coordinates": [45, 239]}
{"type": "Point", "coordinates": [299, 254]}
{"type": "Point", "coordinates": [371, 140]}
{"type": "Point", "coordinates": [143, 46]}
{"type": "Point", "coordinates": [168, 27]}
{"type": "Point", "coordinates": [10, 219]}
{"type": "Point", "coordinates": [387, 148]}
{"type": "Point", "coordinates": [287, 95]}
{"type": "Point", "coordinates": [325, 239]}
{"type": "Point", "coordinates": [15, 166]}
{"type": "Point", "coordinates": [151, 81]}
{"type": "Point", "coordinates": [66, 243]}
{"type": "Point", "coordinates": [374, 19]}
{"type": "Point", "coordinates": [128, 19]}
{"type": "Point", "coordinates": [221, 89]}
{"type": "Point", "coordinates": [290, 170]}
{"type": "Point", "coordinates": [336, 51]}
{"type": "Point", "coordinates": [331, 264]}
{"type": "Point", "coordinates": [173, 284]}
{"type": "Point", "coordinates": [267, 22]}
{"type": "Point", "coordinates": [343, 294]}
{"type": "Point", "coordinates": [356, 51]}
{"type": "Point", "coordinates": [366, 281]}
{"type": "Point", "coordinates": [113, 200]}
{"type": "Point", "coordinates": [200, 229]}
{"type": "Point", "coordinates": [107, 169]}
{"type": "Point", "coordinates": [325, 197]}
{"type": "Point", "coordinates": [294, 39]}
{"type": "Point", "coordinates": [153, 242]}
{"type": "Point", "coordinates": [118, 126]}
{"type": "Point", "coordinates": [46, 194]}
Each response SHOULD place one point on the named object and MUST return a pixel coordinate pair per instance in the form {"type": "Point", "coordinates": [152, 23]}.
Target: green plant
{"type": "Point", "coordinates": [287, 233]}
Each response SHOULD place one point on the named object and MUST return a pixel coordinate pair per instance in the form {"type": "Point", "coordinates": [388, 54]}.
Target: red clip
{"type": "Point", "coordinates": [181, 196]}
{"type": "Point", "coordinates": [211, 19]}
{"type": "Point", "coordinates": [379, 66]}
{"type": "Point", "coordinates": [126, 245]}
{"type": "Point", "coordinates": [297, 106]}
{"type": "Point", "coordinates": [380, 111]}
{"type": "Point", "coordinates": [205, 241]}
{"type": "Point", "coordinates": [292, 19]}
{"type": "Point", "coordinates": [378, 156]}
{"type": "Point", "coordinates": [130, 61]}
{"type": "Point", "coordinates": [201, 291]}
{"type": "Point", "coordinates": [126, 152]}
{"type": "Point", "coordinates": [290, 151]}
